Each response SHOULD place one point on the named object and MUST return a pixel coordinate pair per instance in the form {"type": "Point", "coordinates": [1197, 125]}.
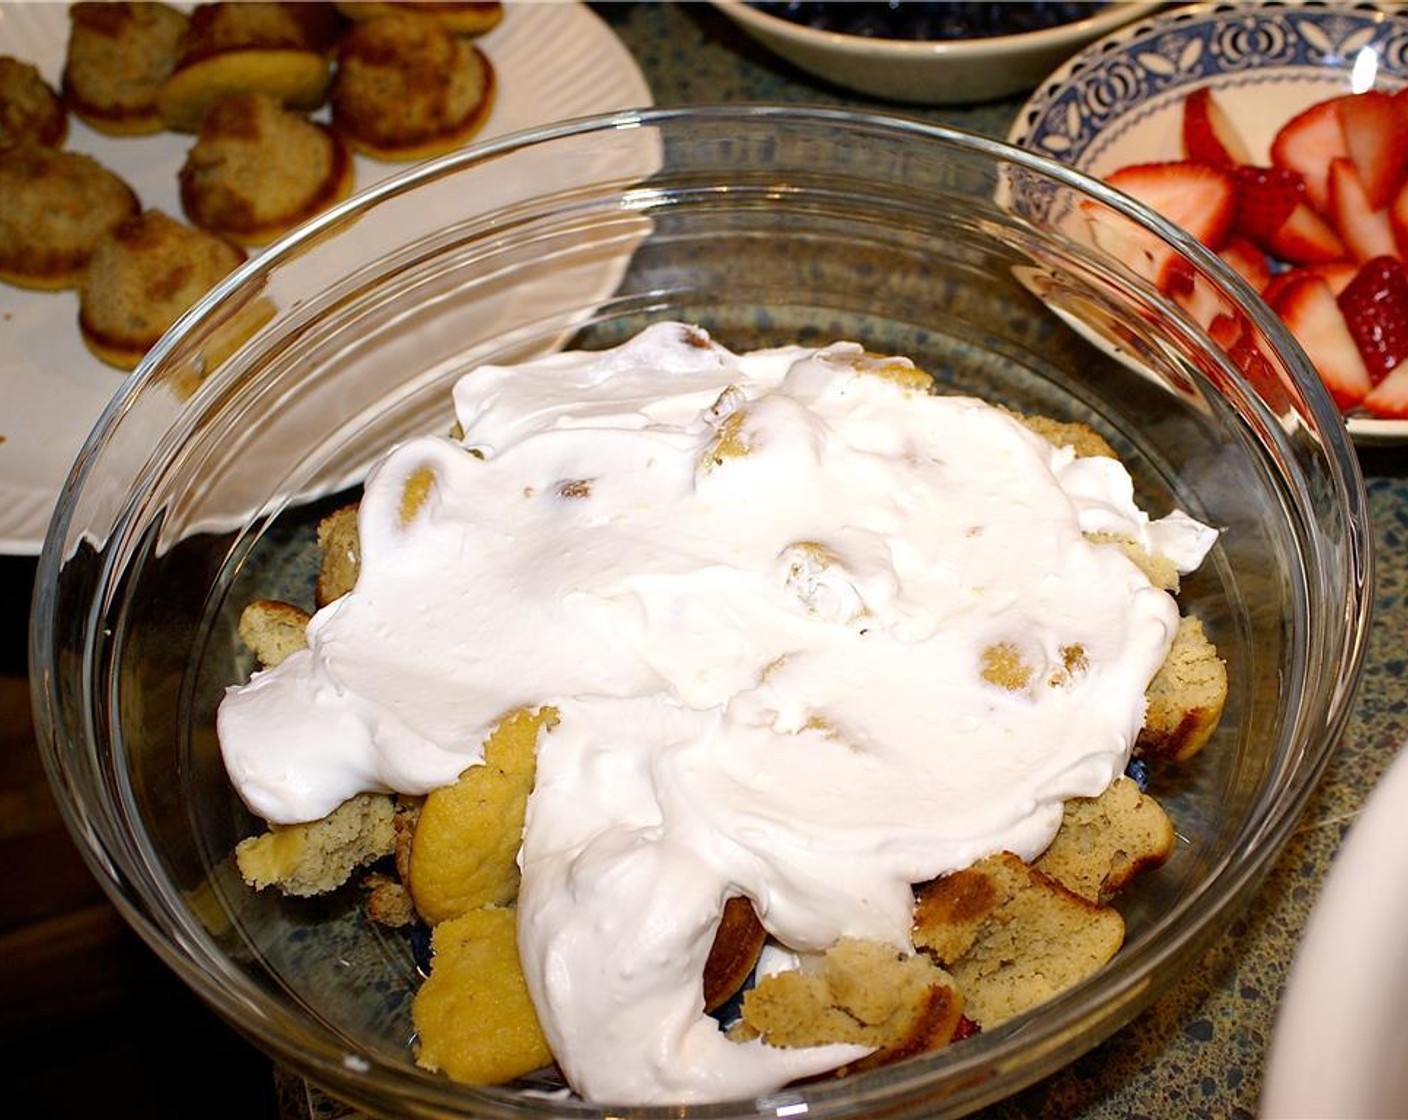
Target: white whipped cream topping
{"type": "Point", "coordinates": [767, 665]}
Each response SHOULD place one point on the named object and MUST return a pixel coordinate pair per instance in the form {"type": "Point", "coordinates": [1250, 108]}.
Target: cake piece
{"type": "Point", "coordinates": [258, 169]}
{"type": "Point", "coordinates": [473, 1016]}
{"type": "Point", "coordinates": [463, 17]}
{"type": "Point", "coordinates": [118, 56]}
{"type": "Point", "coordinates": [313, 858]}
{"type": "Point", "coordinates": [142, 276]}
{"type": "Point", "coordinates": [283, 50]}
{"type": "Point", "coordinates": [30, 109]}
{"type": "Point", "coordinates": [1186, 698]}
{"type": "Point", "coordinates": [406, 88]}
{"type": "Point", "coordinates": [341, 554]}
{"type": "Point", "coordinates": [1011, 936]}
{"type": "Point", "coordinates": [59, 205]}
{"type": "Point", "coordinates": [272, 630]}
{"type": "Point", "coordinates": [738, 943]}
{"type": "Point", "coordinates": [1105, 841]}
{"type": "Point", "coordinates": [863, 992]}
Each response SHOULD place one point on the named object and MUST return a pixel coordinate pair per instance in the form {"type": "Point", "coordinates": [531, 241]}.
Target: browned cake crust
{"type": "Point", "coordinates": [29, 107]}
{"type": "Point", "coordinates": [283, 50]}
{"type": "Point", "coordinates": [462, 18]}
{"type": "Point", "coordinates": [406, 88]}
{"type": "Point", "coordinates": [141, 278]}
{"type": "Point", "coordinates": [257, 169]}
{"type": "Point", "coordinates": [119, 54]}
{"type": "Point", "coordinates": [57, 206]}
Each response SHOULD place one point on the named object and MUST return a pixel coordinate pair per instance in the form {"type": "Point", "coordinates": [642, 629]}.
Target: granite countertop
{"type": "Point", "coordinates": [1200, 1050]}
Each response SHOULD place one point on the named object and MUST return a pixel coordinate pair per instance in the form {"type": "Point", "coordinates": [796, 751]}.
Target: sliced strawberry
{"type": "Point", "coordinates": [1307, 143]}
{"type": "Point", "coordinates": [1364, 228]}
{"type": "Point", "coordinates": [1376, 135]}
{"type": "Point", "coordinates": [1388, 400]}
{"type": "Point", "coordinates": [1194, 196]}
{"type": "Point", "coordinates": [1375, 307]}
{"type": "Point", "coordinates": [1335, 273]}
{"type": "Point", "coordinates": [1398, 216]}
{"type": "Point", "coordinates": [1310, 311]}
{"type": "Point", "coordinates": [1209, 135]}
{"type": "Point", "coordinates": [1273, 212]}
{"type": "Point", "coordinates": [1247, 260]}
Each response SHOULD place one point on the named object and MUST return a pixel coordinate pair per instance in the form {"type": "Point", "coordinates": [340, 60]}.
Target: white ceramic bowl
{"type": "Point", "coordinates": [928, 72]}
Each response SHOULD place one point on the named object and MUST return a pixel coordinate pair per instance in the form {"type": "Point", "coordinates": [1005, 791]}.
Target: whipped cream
{"type": "Point", "coordinates": [760, 589]}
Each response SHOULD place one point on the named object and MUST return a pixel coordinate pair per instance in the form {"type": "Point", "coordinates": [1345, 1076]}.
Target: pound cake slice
{"type": "Point", "coordinates": [30, 109]}
{"type": "Point", "coordinates": [118, 56]}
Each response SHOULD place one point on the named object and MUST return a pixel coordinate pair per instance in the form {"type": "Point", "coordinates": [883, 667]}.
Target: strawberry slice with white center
{"type": "Point", "coordinates": [1273, 211]}
{"type": "Point", "coordinates": [1398, 219]}
{"type": "Point", "coordinates": [1209, 136]}
{"type": "Point", "coordinates": [1375, 127]}
{"type": "Point", "coordinates": [1248, 261]}
{"type": "Point", "coordinates": [1309, 309]}
{"type": "Point", "coordinates": [1199, 198]}
{"type": "Point", "coordinates": [1388, 400]}
{"type": "Point", "coordinates": [1364, 228]}
{"type": "Point", "coordinates": [1307, 143]}
{"type": "Point", "coordinates": [1375, 307]}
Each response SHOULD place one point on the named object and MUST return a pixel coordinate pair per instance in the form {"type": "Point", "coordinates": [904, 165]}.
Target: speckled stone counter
{"type": "Point", "coordinates": [1199, 1051]}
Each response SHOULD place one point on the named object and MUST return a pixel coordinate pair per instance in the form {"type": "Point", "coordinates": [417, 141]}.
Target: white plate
{"type": "Point", "coordinates": [1340, 1043]}
{"type": "Point", "coordinates": [1119, 100]}
{"type": "Point", "coordinates": [553, 61]}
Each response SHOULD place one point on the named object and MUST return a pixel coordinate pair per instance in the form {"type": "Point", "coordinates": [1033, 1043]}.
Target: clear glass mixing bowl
{"type": "Point", "coordinates": [1001, 273]}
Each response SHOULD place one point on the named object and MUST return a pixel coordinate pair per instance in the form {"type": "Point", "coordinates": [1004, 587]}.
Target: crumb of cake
{"type": "Point", "coordinates": [462, 17]}
{"type": "Point", "coordinates": [278, 49]}
{"type": "Point", "coordinates": [1004, 666]}
{"type": "Point", "coordinates": [473, 1016]}
{"type": "Point", "coordinates": [30, 109]}
{"type": "Point", "coordinates": [142, 276]}
{"type": "Point", "coordinates": [257, 169]}
{"type": "Point", "coordinates": [118, 56]}
{"type": "Point", "coordinates": [59, 205]}
{"type": "Point", "coordinates": [388, 901]}
{"type": "Point", "coordinates": [406, 88]}
{"type": "Point", "coordinates": [313, 858]}
{"type": "Point", "coordinates": [1011, 936]}
{"type": "Point", "coordinates": [416, 493]}
{"type": "Point", "coordinates": [1186, 697]}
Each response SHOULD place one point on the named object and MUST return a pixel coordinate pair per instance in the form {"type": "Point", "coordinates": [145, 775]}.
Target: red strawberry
{"type": "Point", "coordinates": [1398, 217]}
{"type": "Point", "coordinates": [1194, 196]}
{"type": "Point", "coordinates": [1364, 228]}
{"type": "Point", "coordinates": [1307, 143]}
{"type": "Point", "coordinates": [1309, 309]}
{"type": "Point", "coordinates": [1335, 273]}
{"type": "Point", "coordinates": [1375, 307]}
{"type": "Point", "coordinates": [1388, 400]}
{"type": "Point", "coordinates": [1248, 261]}
{"type": "Point", "coordinates": [1375, 126]}
{"type": "Point", "coordinates": [1208, 133]}
{"type": "Point", "coordinates": [1272, 212]}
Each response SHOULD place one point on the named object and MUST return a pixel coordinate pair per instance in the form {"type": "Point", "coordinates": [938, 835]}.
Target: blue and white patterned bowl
{"type": "Point", "coordinates": [1119, 100]}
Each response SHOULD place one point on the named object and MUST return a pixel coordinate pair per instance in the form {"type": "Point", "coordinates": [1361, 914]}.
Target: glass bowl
{"type": "Point", "coordinates": [1004, 274]}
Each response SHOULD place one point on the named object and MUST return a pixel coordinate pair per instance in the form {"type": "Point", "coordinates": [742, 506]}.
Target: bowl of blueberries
{"type": "Point", "coordinates": [923, 53]}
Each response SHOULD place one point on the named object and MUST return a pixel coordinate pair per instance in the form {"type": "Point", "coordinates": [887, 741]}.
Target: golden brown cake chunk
{"type": "Point", "coordinates": [738, 942]}
{"type": "Point", "coordinates": [1011, 936]}
{"type": "Point", "coordinates": [406, 88]}
{"type": "Point", "coordinates": [1105, 841]}
{"type": "Point", "coordinates": [258, 169]}
{"type": "Point", "coordinates": [58, 206]}
{"type": "Point", "coordinates": [319, 856]}
{"type": "Point", "coordinates": [272, 629]}
{"type": "Point", "coordinates": [463, 17]}
{"type": "Point", "coordinates": [1186, 698]}
{"type": "Point", "coordinates": [279, 49]}
{"type": "Point", "coordinates": [118, 56]}
{"type": "Point", "coordinates": [473, 1016]}
{"type": "Point", "coordinates": [141, 278]}
{"type": "Point", "coordinates": [863, 992]}
{"type": "Point", "coordinates": [464, 854]}
{"type": "Point", "coordinates": [30, 109]}
{"type": "Point", "coordinates": [341, 554]}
